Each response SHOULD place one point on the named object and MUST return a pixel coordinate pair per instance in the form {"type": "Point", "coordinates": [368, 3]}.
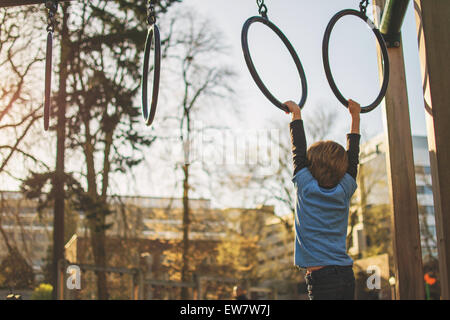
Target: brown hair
{"type": "Point", "coordinates": [327, 162]}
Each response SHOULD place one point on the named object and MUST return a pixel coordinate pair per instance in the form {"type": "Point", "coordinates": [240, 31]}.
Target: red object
{"type": "Point", "coordinates": [429, 280]}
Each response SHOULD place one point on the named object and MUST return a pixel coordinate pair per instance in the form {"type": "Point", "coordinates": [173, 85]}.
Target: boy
{"type": "Point", "coordinates": [325, 180]}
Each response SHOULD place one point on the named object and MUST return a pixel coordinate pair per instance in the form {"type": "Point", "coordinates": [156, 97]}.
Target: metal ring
{"type": "Point", "coordinates": [48, 80]}
{"type": "Point", "coordinates": [326, 60]}
{"type": "Point", "coordinates": [149, 116]}
{"type": "Point", "coordinates": [254, 73]}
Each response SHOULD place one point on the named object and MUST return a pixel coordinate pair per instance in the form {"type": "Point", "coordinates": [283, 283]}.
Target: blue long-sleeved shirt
{"type": "Point", "coordinates": [321, 216]}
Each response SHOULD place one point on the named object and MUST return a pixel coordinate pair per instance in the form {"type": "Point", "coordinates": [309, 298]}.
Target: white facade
{"type": "Point", "coordinates": [373, 157]}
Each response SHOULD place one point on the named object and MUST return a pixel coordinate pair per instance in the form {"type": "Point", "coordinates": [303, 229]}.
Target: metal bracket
{"type": "Point", "coordinates": [392, 40]}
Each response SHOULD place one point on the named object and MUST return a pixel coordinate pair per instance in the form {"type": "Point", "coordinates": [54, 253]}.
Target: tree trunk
{"type": "Point", "coordinates": [97, 226]}
{"type": "Point", "coordinates": [97, 219]}
{"type": "Point", "coordinates": [186, 222]}
{"type": "Point", "coordinates": [99, 238]}
{"type": "Point", "coordinates": [98, 247]}
{"type": "Point", "coordinates": [58, 183]}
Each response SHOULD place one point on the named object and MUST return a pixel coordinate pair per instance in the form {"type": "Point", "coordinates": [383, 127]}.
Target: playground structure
{"type": "Point", "coordinates": [264, 19]}
{"type": "Point", "coordinates": [432, 17]}
{"type": "Point", "coordinates": [52, 7]}
{"type": "Point", "coordinates": [326, 58]}
{"type": "Point", "coordinates": [153, 34]}
{"type": "Point", "coordinates": [64, 294]}
{"type": "Point", "coordinates": [143, 288]}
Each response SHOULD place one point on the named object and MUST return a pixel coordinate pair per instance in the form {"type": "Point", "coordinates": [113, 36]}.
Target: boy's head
{"type": "Point", "coordinates": [328, 163]}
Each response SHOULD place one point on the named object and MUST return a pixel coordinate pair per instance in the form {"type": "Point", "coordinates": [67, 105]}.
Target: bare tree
{"type": "Point", "coordinates": [20, 55]}
{"type": "Point", "coordinates": [21, 58]}
{"type": "Point", "coordinates": [203, 77]}
{"type": "Point", "coordinates": [99, 80]}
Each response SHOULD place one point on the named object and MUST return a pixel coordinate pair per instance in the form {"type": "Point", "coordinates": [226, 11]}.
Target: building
{"type": "Point", "coordinates": [23, 227]}
{"type": "Point", "coordinates": [224, 241]}
{"type": "Point", "coordinates": [276, 258]}
{"type": "Point", "coordinates": [373, 194]}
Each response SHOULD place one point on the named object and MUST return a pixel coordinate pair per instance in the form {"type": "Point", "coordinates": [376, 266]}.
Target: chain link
{"type": "Point", "coordinates": [52, 7]}
{"type": "Point", "coordinates": [363, 6]}
{"type": "Point", "coordinates": [151, 13]}
{"type": "Point", "coordinates": [262, 8]}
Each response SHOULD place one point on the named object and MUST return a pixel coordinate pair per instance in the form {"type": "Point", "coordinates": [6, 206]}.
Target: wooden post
{"type": "Point", "coordinates": [135, 286]}
{"type": "Point", "coordinates": [199, 288]}
{"type": "Point", "coordinates": [59, 178]}
{"type": "Point", "coordinates": [140, 285]}
{"type": "Point", "coordinates": [402, 182]}
{"type": "Point", "coordinates": [433, 28]}
{"type": "Point", "coordinates": [60, 280]}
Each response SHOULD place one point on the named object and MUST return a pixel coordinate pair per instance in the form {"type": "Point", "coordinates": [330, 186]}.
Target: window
{"type": "Point", "coordinates": [423, 170]}
{"type": "Point", "coordinates": [427, 209]}
{"type": "Point", "coordinates": [424, 190]}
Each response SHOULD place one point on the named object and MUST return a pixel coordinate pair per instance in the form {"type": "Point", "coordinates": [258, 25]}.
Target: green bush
{"type": "Point", "coordinates": [43, 292]}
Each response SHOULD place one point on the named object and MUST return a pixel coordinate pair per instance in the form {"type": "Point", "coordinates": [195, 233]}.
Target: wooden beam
{"type": "Point", "coordinates": [16, 3]}
{"type": "Point", "coordinates": [169, 283]}
{"type": "Point", "coordinates": [402, 181]}
{"type": "Point", "coordinates": [119, 270]}
{"type": "Point", "coordinates": [432, 20]}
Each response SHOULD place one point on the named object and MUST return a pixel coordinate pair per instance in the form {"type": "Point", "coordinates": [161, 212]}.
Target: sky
{"type": "Point", "coordinates": [353, 60]}
{"type": "Point", "coordinates": [352, 54]}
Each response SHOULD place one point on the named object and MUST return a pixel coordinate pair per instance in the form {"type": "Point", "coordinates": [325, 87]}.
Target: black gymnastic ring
{"type": "Point", "coordinates": [152, 32]}
{"type": "Point", "coordinates": [326, 60]}
{"type": "Point", "coordinates": [252, 69]}
{"type": "Point", "coordinates": [48, 80]}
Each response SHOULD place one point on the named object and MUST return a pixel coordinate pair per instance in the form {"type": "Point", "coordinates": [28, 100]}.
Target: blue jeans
{"type": "Point", "coordinates": [331, 283]}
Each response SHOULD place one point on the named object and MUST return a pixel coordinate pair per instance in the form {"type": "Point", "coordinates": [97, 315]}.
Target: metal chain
{"type": "Point", "coordinates": [363, 6]}
{"type": "Point", "coordinates": [52, 7]}
{"type": "Point", "coordinates": [151, 13]}
{"type": "Point", "coordinates": [262, 8]}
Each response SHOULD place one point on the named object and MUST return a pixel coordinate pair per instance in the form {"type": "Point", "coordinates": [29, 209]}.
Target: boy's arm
{"type": "Point", "coordinates": [353, 139]}
{"type": "Point", "coordinates": [353, 153]}
{"type": "Point", "coordinates": [297, 137]}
